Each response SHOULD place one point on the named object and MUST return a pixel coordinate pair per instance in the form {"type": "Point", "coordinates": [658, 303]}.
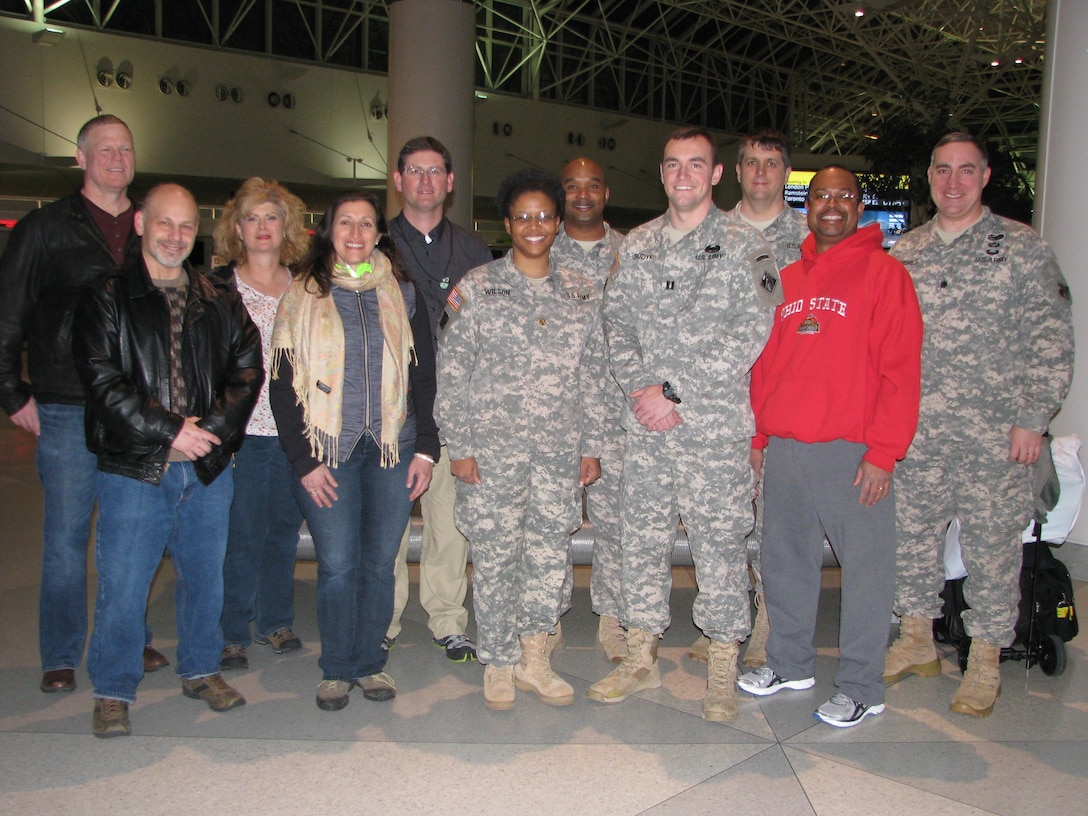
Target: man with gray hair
{"type": "Point", "coordinates": [53, 254]}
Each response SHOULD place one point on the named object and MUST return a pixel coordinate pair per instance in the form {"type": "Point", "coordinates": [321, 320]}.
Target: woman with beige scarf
{"type": "Point", "coordinates": [352, 391]}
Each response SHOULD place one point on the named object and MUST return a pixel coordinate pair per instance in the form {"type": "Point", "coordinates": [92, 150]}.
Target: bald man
{"type": "Point", "coordinates": [164, 426]}
{"type": "Point", "coordinates": [587, 244]}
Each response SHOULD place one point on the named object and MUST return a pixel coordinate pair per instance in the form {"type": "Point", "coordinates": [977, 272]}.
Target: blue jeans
{"type": "Point", "coordinates": [136, 521]}
{"type": "Point", "coordinates": [259, 571]}
{"type": "Point", "coordinates": [67, 471]}
{"type": "Point", "coordinates": [356, 542]}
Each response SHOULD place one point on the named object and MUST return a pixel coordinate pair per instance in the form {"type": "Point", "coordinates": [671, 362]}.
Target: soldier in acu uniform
{"type": "Point", "coordinates": [763, 166]}
{"type": "Point", "coordinates": [996, 364]}
{"type": "Point", "coordinates": [686, 314]}
{"type": "Point", "coordinates": [521, 381]}
{"type": "Point", "coordinates": [588, 245]}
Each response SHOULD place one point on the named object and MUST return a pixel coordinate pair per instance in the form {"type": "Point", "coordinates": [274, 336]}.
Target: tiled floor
{"type": "Point", "coordinates": [436, 749]}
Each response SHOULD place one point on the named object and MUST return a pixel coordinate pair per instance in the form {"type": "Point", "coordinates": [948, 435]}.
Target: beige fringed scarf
{"type": "Point", "coordinates": [309, 333]}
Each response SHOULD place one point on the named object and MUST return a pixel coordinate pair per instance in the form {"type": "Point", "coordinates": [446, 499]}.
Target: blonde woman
{"type": "Point", "coordinates": [261, 234]}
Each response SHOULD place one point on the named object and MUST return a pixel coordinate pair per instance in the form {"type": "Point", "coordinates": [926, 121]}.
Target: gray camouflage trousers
{"type": "Point", "coordinates": [518, 523]}
{"type": "Point", "coordinates": [992, 497]}
{"type": "Point", "coordinates": [755, 542]}
{"type": "Point", "coordinates": [708, 483]}
{"type": "Point", "coordinates": [604, 503]}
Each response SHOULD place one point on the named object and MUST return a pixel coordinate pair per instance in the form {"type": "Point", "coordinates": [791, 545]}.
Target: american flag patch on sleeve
{"type": "Point", "coordinates": [455, 300]}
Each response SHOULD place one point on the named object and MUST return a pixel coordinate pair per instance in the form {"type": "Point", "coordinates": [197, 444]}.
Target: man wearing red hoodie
{"type": "Point", "coordinates": [835, 395]}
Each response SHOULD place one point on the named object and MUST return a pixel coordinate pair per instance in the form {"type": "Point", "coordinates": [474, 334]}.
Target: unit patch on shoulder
{"type": "Point", "coordinates": [766, 278]}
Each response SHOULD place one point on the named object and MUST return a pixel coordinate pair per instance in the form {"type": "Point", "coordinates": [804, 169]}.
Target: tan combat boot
{"type": "Point", "coordinates": [637, 672]}
{"type": "Point", "coordinates": [756, 653]}
{"type": "Point", "coordinates": [611, 638]}
{"type": "Point", "coordinates": [912, 652]}
{"type": "Point", "coordinates": [555, 641]}
{"type": "Point", "coordinates": [981, 684]}
{"type": "Point", "coordinates": [499, 687]}
{"type": "Point", "coordinates": [720, 703]}
{"type": "Point", "coordinates": [698, 649]}
{"type": "Point", "coordinates": [534, 672]}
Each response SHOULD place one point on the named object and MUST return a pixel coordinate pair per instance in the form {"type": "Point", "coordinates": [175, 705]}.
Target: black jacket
{"type": "Point", "coordinates": [121, 342]}
{"type": "Point", "coordinates": [53, 254]}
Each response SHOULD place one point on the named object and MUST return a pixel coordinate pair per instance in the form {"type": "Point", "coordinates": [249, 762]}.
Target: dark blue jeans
{"type": "Point", "coordinates": [356, 542]}
{"type": "Point", "coordinates": [67, 471]}
{"type": "Point", "coordinates": [136, 522]}
{"type": "Point", "coordinates": [259, 571]}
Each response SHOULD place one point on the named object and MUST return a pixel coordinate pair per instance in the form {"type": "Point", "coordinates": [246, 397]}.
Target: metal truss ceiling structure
{"type": "Point", "coordinates": [814, 68]}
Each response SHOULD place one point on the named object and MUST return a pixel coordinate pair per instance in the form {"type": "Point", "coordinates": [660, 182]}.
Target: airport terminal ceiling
{"type": "Point", "coordinates": [830, 73]}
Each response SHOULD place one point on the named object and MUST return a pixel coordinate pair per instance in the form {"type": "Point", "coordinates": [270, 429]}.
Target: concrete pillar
{"type": "Point", "coordinates": [1060, 192]}
{"type": "Point", "coordinates": [432, 80]}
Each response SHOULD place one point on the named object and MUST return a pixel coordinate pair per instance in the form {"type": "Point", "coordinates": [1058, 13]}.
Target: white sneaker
{"type": "Point", "coordinates": [843, 712]}
{"type": "Point", "coordinates": [764, 681]}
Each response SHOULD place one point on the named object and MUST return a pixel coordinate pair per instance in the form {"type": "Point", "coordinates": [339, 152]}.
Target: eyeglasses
{"type": "Point", "coordinates": [523, 219]}
{"type": "Point", "coordinates": [842, 198]}
{"type": "Point", "coordinates": [418, 172]}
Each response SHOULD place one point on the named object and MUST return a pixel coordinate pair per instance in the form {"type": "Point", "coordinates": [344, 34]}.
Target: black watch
{"type": "Point", "coordinates": [669, 393]}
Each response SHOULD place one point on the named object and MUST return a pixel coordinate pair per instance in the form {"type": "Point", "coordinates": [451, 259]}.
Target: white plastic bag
{"type": "Point", "coordinates": [1061, 519]}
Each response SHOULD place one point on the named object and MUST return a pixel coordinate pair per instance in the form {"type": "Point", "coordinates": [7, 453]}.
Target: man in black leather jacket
{"type": "Point", "coordinates": [53, 254]}
{"type": "Point", "coordinates": [171, 364]}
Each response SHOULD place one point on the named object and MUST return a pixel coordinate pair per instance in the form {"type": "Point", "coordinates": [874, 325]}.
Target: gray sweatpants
{"type": "Point", "coordinates": [809, 493]}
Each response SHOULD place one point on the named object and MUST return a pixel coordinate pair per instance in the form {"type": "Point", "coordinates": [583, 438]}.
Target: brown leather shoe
{"type": "Point", "coordinates": [58, 680]}
{"type": "Point", "coordinates": [110, 719]}
{"type": "Point", "coordinates": [154, 660]}
{"type": "Point", "coordinates": [213, 690]}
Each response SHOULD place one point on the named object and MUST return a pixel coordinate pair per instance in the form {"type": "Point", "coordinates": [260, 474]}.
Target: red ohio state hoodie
{"type": "Point", "coordinates": [844, 357]}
